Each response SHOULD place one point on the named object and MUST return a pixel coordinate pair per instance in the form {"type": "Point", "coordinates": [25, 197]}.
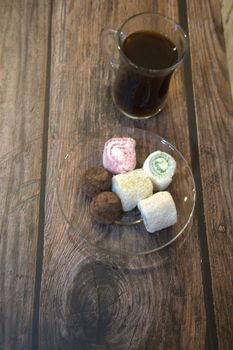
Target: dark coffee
{"type": "Point", "coordinates": [139, 92]}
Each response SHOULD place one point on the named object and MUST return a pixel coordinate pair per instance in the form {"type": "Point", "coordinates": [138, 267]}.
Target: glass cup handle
{"type": "Point", "coordinates": [109, 45]}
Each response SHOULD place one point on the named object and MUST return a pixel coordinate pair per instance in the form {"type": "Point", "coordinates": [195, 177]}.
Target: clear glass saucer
{"type": "Point", "coordinates": [128, 236]}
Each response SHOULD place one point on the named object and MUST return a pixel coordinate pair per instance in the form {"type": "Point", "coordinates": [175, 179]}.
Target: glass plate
{"type": "Point", "coordinates": [129, 236]}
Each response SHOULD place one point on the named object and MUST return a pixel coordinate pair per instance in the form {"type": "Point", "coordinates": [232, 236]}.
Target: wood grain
{"type": "Point", "coordinates": [23, 58]}
{"type": "Point", "coordinates": [215, 128]}
{"type": "Point", "coordinates": [88, 300]}
{"type": "Point", "coordinates": [227, 17]}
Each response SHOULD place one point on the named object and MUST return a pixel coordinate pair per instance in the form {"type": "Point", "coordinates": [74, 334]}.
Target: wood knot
{"type": "Point", "coordinates": [94, 302]}
{"type": "Point", "coordinates": [107, 309]}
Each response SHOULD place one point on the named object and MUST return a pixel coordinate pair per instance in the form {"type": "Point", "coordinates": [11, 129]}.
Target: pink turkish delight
{"type": "Point", "coordinates": [119, 155]}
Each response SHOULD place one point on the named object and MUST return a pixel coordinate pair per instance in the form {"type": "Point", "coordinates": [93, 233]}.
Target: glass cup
{"type": "Point", "coordinates": [140, 92]}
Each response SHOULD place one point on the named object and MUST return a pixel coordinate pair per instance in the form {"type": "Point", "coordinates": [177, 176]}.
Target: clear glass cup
{"type": "Point", "coordinates": [140, 92]}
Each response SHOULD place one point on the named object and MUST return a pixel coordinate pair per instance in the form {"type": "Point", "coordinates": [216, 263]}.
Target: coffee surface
{"type": "Point", "coordinates": [150, 50]}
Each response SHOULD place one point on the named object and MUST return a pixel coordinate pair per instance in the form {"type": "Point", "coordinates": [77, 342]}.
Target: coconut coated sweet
{"type": "Point", "coordinates": [158, 211]}
{"type": "Point", "coordinates": [132, 187]}
{"type": "Point", "coordinates": [160, 167]}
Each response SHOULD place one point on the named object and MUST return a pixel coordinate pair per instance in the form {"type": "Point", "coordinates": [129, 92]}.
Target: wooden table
{"type": "Point", "coordinates": [59, 294]}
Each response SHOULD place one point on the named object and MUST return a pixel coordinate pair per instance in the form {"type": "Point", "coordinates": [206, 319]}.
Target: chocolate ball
{"type": "Point", "coordinates": [106, 208]}
{"type": "Point", "coordinates": [96, 180]}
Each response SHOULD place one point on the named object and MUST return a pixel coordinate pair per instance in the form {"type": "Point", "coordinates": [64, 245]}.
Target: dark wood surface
{"type": "Point", "coordinates": [23, 62]}
{"type": "Point", "coordinates": [58, 292]}
{"type": "Point", "coordinates": [215, 126]}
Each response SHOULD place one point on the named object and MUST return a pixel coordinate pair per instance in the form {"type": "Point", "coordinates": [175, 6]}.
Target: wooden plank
{"type": "Point", "coordinates": [227, 17]}
{"type": "Point", "coordinates": [87, 301]}
{"type": "Point", "coordinates": [215, 129]}
{"type": "Point", "coordinates": [23, 37]}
